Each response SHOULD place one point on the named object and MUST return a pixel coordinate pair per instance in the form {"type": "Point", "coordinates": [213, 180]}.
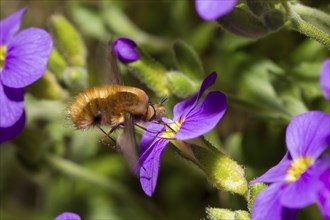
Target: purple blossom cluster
{"type": "Point", "coordinates": [191, 120]}
{"type": "Point", "coordinates": [302, 176]}
{"type": "Point", "coordinates": [210, 10]}
{"type": "Point", "coordinates": [68, 216]}
{"type": "Point", "coordinates": [300, 179]}
{"type": "Point", "coordinates": [23, 60]}
{"type": "Point", "coordinates": [325, 78]}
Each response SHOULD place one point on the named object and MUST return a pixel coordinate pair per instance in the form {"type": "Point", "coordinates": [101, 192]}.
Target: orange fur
{"type": "Point", "coordinates": [107, 105]}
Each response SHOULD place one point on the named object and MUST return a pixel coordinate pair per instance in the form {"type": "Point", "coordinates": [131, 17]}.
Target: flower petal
{"type": "Point", "coordinates": [308, 134]}
{"type": "Point", "coordinates": [11, 132]}
{"type": "Point", "coordinates": [125, 50]}
{"type": "Point", "coordinates": [149, 136]}
{"type": "Point", "coordinates": [183, 108]}
{"type": "Point", "coordinates": [68, 216]}
{"type": "Point", "coordinates": [277, 173]}
{"type": "Point", "coordinates": [27, 57]}
{"type": "Point", "coordinates": [12, 105]}
{"type": "Point", "coordinates": [10, 25]}
{"type": "Point", "coordinates": [289, 214]}
{"type": "Point", "coordinates": [210, 10]}
{"type": "Point", "coordinates": [150, 165]}
{"type": "Point", "coordinates": [304, 191]}
{"type": "Point", "coordinates": [267, 204]}
{"type": "Point", "coordinates": [325, 78]}
{"type": "Point", "coordinates": [204, 117]}
{"type": "Point", "coordinates": [324, 193]}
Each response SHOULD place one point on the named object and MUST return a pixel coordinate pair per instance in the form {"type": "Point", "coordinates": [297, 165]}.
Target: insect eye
{"type": "Point", "coordinates": [97, 118]}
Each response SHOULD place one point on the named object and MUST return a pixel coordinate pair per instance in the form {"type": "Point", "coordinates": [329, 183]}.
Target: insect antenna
{"type": "Point", "coordinates": [164, 100]}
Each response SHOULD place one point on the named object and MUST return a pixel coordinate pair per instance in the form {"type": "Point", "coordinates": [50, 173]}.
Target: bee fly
{"type": "Point", "coordinates": [115, 106]}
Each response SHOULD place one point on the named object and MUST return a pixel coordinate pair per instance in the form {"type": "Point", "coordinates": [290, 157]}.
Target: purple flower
{"type": "Point", "coordinates": [23, 60]}
{"type": "Point", "coordinates": [210, 10]}
{"type": "Point", "coordinates": [191, 120]}
{"type": "Point", "coordinates": [325, 78]}
{"type": "Point", "coordinates": [67, 216]}
{"type": "Point", "coordinates": [298, 180]}
{"type": "Point", "coordinates": [125, 50]}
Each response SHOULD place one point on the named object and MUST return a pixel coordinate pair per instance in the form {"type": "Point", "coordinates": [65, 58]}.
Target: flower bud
{"type": "Point", "coordinates": [124, 49]}
{"type": "Point", "coordinates": [75, 78]}
{"type": "Point", "coordinates": [216, 214]}
{"type": "Point", "coordinates": [57, 64]}
{"type": "Point", "coordinates": [46, 87]}
{"type": "Point", "coordinates": [257, 6]}
{"type": "Point", "coordinates": [253, 192]}
{"type": "Point", "coordinates": [273, 19]}
{"type": "Point", "coordinates": [222, 171]}
{"type": "Point", "coordinates": [188, 61]}
{"type": "Point", "coordinates": [151, 73]}
{"type": "Point", "coordinates": [68, 40]}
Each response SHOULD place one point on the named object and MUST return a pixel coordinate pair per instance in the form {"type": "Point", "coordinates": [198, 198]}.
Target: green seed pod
{"type": "Point", "coordinates": [226, 214]}
{"type": "Point", "coordinates": [68, 40]}
{"type": "Point", "coordinates": [222, 171]}
{"type": "Point", "coordinates": [151, 73]}
{"type": "Point", "coordinates": [46, 87]}
{"type": "Point", "coordinates": [181, 85]}
{"type": "Point", "coordinates": [57, 64]}
{"type": "Point", "coordinates": [76, 78]}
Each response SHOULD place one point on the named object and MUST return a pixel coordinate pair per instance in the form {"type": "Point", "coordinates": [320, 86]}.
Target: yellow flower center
{"type": "Point", "coordinates": [3, 53]}
{"type": "Point", "coordinates": [172, 129]}
{"type": "Point", "coordinates": [298, 167]}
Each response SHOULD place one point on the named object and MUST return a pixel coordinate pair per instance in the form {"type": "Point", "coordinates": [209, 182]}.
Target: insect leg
{"type": "Point", "coordinates": [107, 135]}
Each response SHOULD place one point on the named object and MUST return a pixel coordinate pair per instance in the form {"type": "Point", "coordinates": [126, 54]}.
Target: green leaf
{"type": "Point", "coordinates": [294, 105]}
{"type": "Point", "coordinates": [181, 85]}
{"type": "Point", "coordinates": [273, 19]}
{"type": "Point", "coordinates": [243, 23]}
{"type": "Point", "coordinates": [309, 50]}
{"type": "Point", "coordinates": [90, 22]}
{"type": "Point", "coordinates": [257, 6]}
{"type": "Point", "coordinates": [121, 25]}
{"type": "Point", "coordinates": [202, 35]}
{"type": "Point", "coordinates": [256, 87]}
{"type": "Point", "coordinates": [188, 61]}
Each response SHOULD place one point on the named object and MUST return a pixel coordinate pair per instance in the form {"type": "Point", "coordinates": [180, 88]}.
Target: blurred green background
{"type": "Point", "coordinates": [52, 167]}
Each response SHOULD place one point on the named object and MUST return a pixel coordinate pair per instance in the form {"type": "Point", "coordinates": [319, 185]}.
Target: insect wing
{"type": "Point", "coordinates": [126, 141]}
{"type": "Point", "coordinates": [112, 66]}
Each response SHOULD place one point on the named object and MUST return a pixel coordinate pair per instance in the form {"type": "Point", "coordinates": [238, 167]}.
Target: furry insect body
{"type": "Point", "coordinates": [107, 105]}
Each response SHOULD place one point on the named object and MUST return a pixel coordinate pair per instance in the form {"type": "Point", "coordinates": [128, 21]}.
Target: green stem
{"type": "Point", "coordinates": [300, 25]}
{"type": "Point", "coordinates": [74, 170]}
{"type": "Point", "coordinates": [71, 169]}
{"type": "Point", "coordinates": [306, 11]}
